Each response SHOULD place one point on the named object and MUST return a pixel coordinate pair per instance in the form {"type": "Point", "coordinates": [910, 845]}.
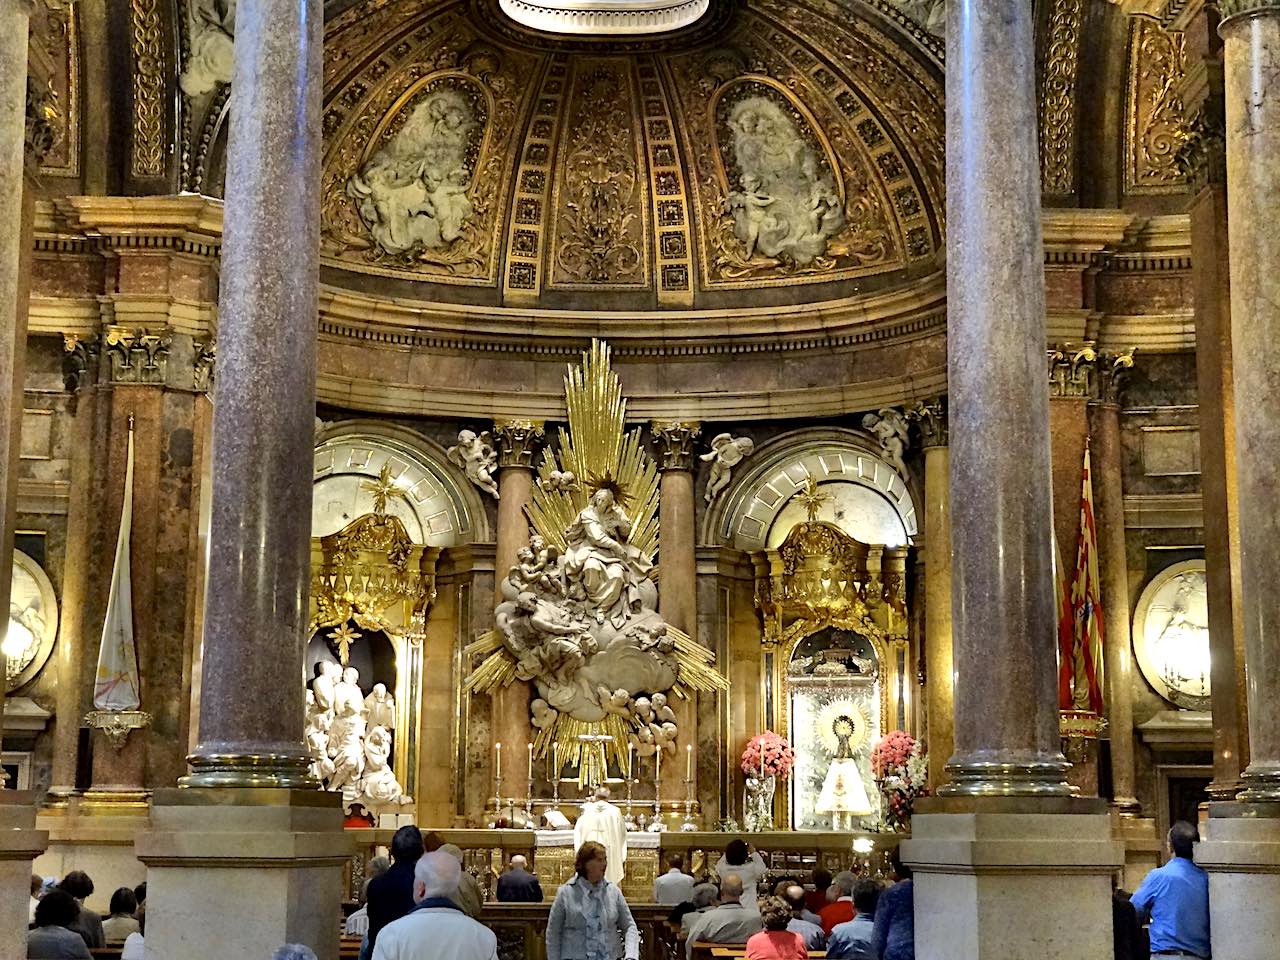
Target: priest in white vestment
{"type": "Point", "coordinates": [602, 822]}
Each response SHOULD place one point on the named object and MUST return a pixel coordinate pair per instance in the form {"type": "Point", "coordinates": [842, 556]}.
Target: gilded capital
{"type": "Point", "coordinates": [1081, 372]}
{"type": "Point", "coordinates": [79, 364]}
{"type": "Point", "coordinates": [931, 415]}
{"type": "Point", "coordinates": [673, 440]}
{"type": "Point", "coordinates": [206, 353]}
{"type": "Point", "coordinates": [1113, 376]}
{"type": "Point", "coordinates": [518, 441]}
{"type": "Point", "coordinates": [137, 356]}
{"type": "Point", "coordinates": [1202, 155]}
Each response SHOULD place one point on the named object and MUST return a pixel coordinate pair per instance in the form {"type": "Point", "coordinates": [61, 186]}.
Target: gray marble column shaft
{"type": "Point", "coordinates": [15, 20]}
{"type": "Point", "coordinates": [1251, 56]}
{"type": "Point", "coordinates": [251, 700]}
{"type": "Point", "coordinates": [1006, 717]}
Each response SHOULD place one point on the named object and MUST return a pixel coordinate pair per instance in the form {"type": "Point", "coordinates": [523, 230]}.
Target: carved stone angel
{"type": "Point", "coordinates": [726, 453]}
{"type": "Point", "coordinates": [474, 453]}
{"type": "Point", "coordinates": [890, 428]}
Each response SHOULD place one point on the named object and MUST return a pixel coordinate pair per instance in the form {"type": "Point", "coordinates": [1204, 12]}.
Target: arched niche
{"type": "Point", "coordinates": [439, 507]}
{"type": "Point", "coordinates": [870, 500]}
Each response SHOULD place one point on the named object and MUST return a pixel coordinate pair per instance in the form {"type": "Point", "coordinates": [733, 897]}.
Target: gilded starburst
{"type": "Point", "coordinates": [812, 499]}
{"type": "Point", "coordinates": [383, 489]}
{"type": "Point", "coordinates": [344, 636]}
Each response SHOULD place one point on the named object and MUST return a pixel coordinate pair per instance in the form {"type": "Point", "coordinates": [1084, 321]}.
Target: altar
{"type": "Point", "coordinates": [553, 862]}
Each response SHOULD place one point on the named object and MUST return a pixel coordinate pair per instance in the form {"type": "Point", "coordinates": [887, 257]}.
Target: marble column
{"type": "Point", "coordinates": [1113, 571]}
{"type": "Point", "coordinates": [1241, 848]}
{"type": "Point", "coordinates": [1250, 32]}
{"type": "Point", "coordinates": [20, 842]}
{"type": "Point", "coordinates": [939, 663]}
{"type": "Point", "coordinates": [271, 856]}
{"type": "Point", "coordinates": [518, 443]}
{"type": "Point", "coordinates": [1003, 595]}
{"type": "Point", "coordinates": [989, 854]}
{"type": "Point", "coordinates": [678, 578]}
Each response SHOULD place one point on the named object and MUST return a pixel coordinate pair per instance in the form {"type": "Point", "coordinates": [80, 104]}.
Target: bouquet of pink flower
{"type": "Point", "coordinates": [771, 750]}
{"type": "Point", "coordinates": [899, 765]}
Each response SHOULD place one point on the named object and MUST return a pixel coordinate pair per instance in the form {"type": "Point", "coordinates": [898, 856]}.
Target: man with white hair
{"type": "Point", "coordinates": [518, 885]}
{"type": "Point", "coordinates": [436, 927]}
{"type": "Point", "coordinates": [602, 822]}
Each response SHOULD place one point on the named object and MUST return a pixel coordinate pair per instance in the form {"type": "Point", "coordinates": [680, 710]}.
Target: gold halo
{"type": "Point", "coordinates": [825, 722]}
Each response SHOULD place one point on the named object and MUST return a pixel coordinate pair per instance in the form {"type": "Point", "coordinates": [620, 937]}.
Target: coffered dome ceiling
{"type": "Point", "coordinates": [782, 151]}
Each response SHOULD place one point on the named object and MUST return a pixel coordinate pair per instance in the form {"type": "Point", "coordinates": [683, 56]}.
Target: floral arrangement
{"type": "Point", "coordinates": [899, 765]}
{"type": "Point", "coordinates": [773, 751]}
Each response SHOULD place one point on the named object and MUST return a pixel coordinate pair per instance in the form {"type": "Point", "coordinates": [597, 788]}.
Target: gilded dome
{"type": "Point", "coordinates": [777, 152]}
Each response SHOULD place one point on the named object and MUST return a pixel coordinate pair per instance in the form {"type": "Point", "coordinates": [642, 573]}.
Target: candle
{"type": "Point", "coordinates": [555, 758]}
{"type": "Point", "coordinates": [497, 761]}
{"type": "Point", "coordinates": [761, 759]}
{"type": "Point", "coordinates": [531, 761]}
{"type": "Point", "coordinates": [657, 770]}
{"type": "Point", "coordinates": [631, 759]}
{"type": "Point", "coordinates": [688, 762]}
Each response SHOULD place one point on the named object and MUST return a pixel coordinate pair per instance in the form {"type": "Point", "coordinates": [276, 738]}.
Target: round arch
{"type": "Point", "coordinates": [439, 507]}
{"type": "Point", "coordinates": [744, 515]}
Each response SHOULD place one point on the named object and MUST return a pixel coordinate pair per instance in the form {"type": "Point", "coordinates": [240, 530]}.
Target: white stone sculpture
{"type": "Point", "coordinates": [645, 742]}
{"type": "Point", "coordinates": [474, 453]}
{"type": "Point", "coordinates": [661, 712]}
{"type": "Point", "coordinates": [380, 707]}
{"type": "Point", "coordinates": [346, 749]}
{"type": "Point", "coordinates": [726, 453]}
{"type": "Point", "coordinates": [380, 791]}
{"type": "Point", "coordinates": [583, 625]}
{"type": "Point", "coordinates": [889, 427]}
{"type": "Point", "coordinates": [412, 194]}
{"type": "Point", "coordinates": [786, 204]}
{"type": "Point", "coordinates": [212, 27]}
{"type": "Point", "coordinates": [665, 735]}
{"type": "Point", "coordinates": [562, 480]}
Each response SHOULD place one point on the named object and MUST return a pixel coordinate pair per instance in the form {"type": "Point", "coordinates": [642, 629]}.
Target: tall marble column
{"type": "Point", "coordinates": [518, 443]}
{"type": "Point", "coordinates": [1113, 570]}
{"type": "Point", "coordinates": [939, 662]}
{"type": "Point", "coordinates": [1241, 851]}
{"type": "Point", "coordinates": [678, 580]}
{"type": "Point", "coordinates": [21, 842]}
{"type": "Point", "coordinates": [988, 853]}
{"type": "Point", "coordinates": [272, 855]}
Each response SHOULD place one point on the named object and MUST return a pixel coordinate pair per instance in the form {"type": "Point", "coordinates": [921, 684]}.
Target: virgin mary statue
{"type": "Point", "coordinates": [610, 571]}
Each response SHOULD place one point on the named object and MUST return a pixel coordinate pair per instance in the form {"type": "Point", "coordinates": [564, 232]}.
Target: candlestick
{"type": "Point", "coordinates": [688, 761]}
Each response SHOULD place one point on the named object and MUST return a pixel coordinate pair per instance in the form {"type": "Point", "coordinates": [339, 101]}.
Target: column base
{"type": "Point", "coordinates": [1020, 877]}
{"type": "Point", "coordinates": [98, 839]}
{"type": "Point", "coordinates": [271, 859]}
{"type": "Point", "coordinates": [20, 844]}
{"type": "Point", "coordinates": [1241, 853]}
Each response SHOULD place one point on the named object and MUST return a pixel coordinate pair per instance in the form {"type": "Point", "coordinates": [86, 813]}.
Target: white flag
{"type": "Point", "coordinates": [117, 683]}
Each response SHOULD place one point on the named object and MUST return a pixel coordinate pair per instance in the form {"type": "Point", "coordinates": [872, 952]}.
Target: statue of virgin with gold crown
{"type": "Point", "coordinates": [579, 616]}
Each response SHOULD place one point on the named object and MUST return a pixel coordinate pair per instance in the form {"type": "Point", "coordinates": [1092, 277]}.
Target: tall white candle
{"type": "Point", "coordinates": [531, 761]}
{"type": "Point", "coordinates": [497, 761]}
{"type": "Point", "coordinates": [555, 758]}
{"type": "Point", "coordinates": [688, 762]}
{"type": "Point", "coordinates": [657, 771]}
{"type": "Point", "coordinates": [761, 759]}
{"type": "Point", "coordinates": [631, 760]}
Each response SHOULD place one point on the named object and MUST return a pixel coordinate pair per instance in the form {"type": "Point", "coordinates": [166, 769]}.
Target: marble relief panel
{"type": "Point", "coordinates": [416, 157]}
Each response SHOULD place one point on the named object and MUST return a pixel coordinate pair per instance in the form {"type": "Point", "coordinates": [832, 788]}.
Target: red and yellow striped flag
{"type": "Point", "coordinates": [1086, 608]}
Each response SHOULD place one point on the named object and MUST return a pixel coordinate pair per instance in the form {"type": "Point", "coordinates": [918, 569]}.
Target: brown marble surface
{"type": "Point", "coordinates": [1003, 606]}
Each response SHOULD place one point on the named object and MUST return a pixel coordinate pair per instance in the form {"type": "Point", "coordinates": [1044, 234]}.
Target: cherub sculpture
{"type": "Point", "coordinates": [726, 453]}
{"type": "Point", "coordinates": [617, 702]}
{"type": "Point", "coordinates": [889, 427]}
{"type": "Point", "coordinates": [661, 711]}
{"type": "Point", "coordinates": [645, 742]}
{"type": "Point", "coordinates": [544, 715]}
{"type": "Point", "coordinates": [474, 453]}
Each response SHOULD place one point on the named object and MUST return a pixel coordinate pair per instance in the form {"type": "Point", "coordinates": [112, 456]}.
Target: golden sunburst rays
{"type": "Point", "coordinates": [591, 758]}
{"type": "Point", "coordinates": [697, 666]}
{"type": "Point", "coordinates": [496, 670]}
{"type": "Point", "coordinates": [843, 719]}
{"type": "Point", "coordinates": [599, 452]}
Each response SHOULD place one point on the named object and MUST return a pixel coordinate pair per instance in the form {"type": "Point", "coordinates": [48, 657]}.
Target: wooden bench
{"type": "Point", "coordinates": [703, 950]}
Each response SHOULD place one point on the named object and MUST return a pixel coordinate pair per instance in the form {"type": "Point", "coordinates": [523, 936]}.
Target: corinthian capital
{"type": "Point", "coordinates": [673, 440]}
{"type": "Point", "coordinates": [931, 415]}
{"type": "Point", "coordinates": [1073, 370]}
{"type": "Point", "coordinates": [518, 441]}
{"type": "Point", "coordinates": [1229, 9]}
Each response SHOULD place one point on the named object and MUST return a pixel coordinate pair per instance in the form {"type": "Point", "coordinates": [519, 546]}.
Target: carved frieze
{"type": "Point", "coordinates": [137, 356]}
{"type": "Point", "coordinates": [53, 103]}
{"type": "Point", "coordinates": [1058, 97]}
{"type": "Point", "coordinates": [41, 129]}
{"type": "Point", "coordinates": [1155, 125]}
{"type": "Point", "coordinates": [149, 67]}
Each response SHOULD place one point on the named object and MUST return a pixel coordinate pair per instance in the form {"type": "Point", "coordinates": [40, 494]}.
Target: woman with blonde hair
{"type": "Point", "coordinates": [775, 941]}
{"type": "Point", "coordinates": [590, 920]}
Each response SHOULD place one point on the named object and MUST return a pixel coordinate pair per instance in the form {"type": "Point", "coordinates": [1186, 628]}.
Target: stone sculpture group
{"type": "Point", "coordinates": [349, 737]}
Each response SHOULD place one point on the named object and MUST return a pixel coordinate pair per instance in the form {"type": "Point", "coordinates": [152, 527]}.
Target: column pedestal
{"type": "Point", "coordinates": [270, 859]}
{"type": "Point", "coordinates": [985, 866]}
{"type": "Point", "coordinates": [20, 844]}
{"type": "Point", "coordinates": [1241, 853]}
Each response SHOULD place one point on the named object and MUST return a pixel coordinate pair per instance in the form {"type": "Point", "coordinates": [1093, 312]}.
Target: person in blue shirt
{"type": "Point", "coordinates": [1176, 899]}
{"type": "Point", "coordinates": [852, 940]}
{"type": "Point", "coordinates": [894, 936]}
